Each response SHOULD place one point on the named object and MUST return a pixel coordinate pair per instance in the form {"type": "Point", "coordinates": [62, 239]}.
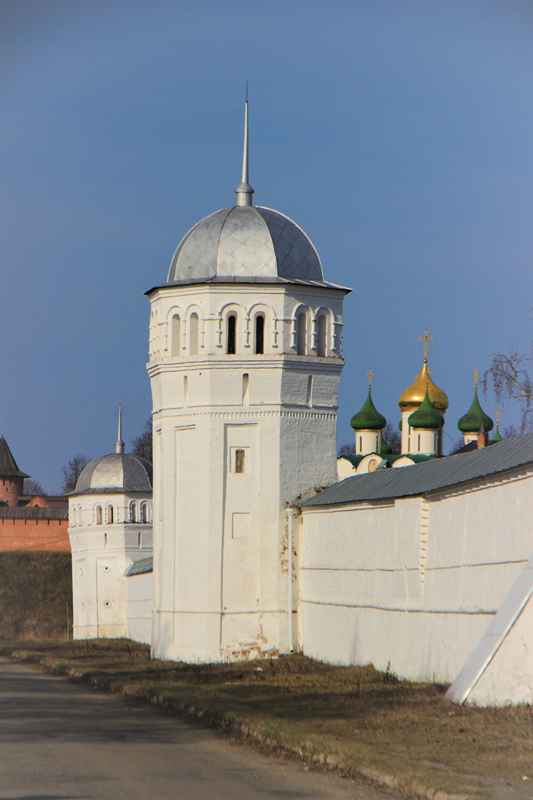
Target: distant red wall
{"type": "Point", "coordinates": [34, 534]}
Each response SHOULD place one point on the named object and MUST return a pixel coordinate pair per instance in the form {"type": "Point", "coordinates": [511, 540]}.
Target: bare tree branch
{"type": "Point", "coordinates": [142, 444]}
{"type": "Point", "coordinates": [72, 471]}
{"type": "Point", "coordinates": [509, 376]}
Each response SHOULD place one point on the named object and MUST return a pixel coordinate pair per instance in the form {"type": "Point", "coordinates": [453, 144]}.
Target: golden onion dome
{"type": "Point", "coordinates": [412, 397]}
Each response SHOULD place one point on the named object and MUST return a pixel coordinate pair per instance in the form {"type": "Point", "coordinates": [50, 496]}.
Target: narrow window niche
{"type": "Point", "coordinates": [133, 513]}
{"type": "Point", "coordinates": [310, 390]}
{"type": "Point", "coordinates": [259, 347]}
{"type": "Point", "coordinates": [231, 335]}
{"type": "Point", "coordinates": [144, 513]}
{"type": "Point", "coordinates": [322, 336]}
{"type": "Point", "coordinates": [302, 334]}
{"type": "Point", "coordinates": [98, 515]}
{"type": "Point", "coordinates": [176, 336]}
{"type": "Point", "coordinates": [239, 460]}
{"type": "Point", "coordinates": [245, 386]}
{"type": "Point", "coordinates": [193, 335]}
{"type": "Point", "coordinates": [240, 465]}
{"type": "Point", "coordinates": [110, 515]}
{"type": "Point", "coordinates": [185, 390]}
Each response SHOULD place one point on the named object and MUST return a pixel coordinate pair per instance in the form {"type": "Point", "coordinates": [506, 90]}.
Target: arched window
{"type": "Point", "coordinates": [245, 385]}
{"type": "Point", "coordinates": [79, 515]}
{"type": "Point", "coordinates": [110, 515]}
{"type": "Point", "coordinates": [259, 346]}
{"type": "Point", "coordinates": [185, 389]}
{"type": "Point", "coordinates": [232, 335]}
{"type": "Point", "coordinates": [74, 517]}
{"type": "Point", "coordinates": [302, 333]}
{"type": "Point", "coordinates": [309, 390]}
{"type": "Point", "coordinates": [144, 513]}
{"type": "Point", "coordinates": [193, 335]}
{"type": "Point", "coordinates": [322, 336]}
{"type": "Point", "coordinates": [133, 513]}
{"type": "Point", "coordinates": [98, 515]}
{"type": "Point", "coordinates": [176, 336]}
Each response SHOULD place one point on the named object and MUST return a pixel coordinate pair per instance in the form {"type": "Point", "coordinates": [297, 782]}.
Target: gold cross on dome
{"type": "Point", "coordinates": [369, 375]}
{"type": "Point", "coordinates": [476, 373]}
{"type": "Point", "coordinates": [426, 339]}
{"type": "Point", "coordinates": [497, 414]}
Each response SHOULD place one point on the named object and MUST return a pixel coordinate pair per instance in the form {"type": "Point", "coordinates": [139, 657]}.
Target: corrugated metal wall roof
{"type": "Point", "coordinates": [438, 473]}
{"type": "Point", "coordinates": [34, 512]}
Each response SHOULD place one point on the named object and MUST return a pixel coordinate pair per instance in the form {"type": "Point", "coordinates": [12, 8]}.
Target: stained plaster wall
{"type": "Point", "coordinates": [412, 582]}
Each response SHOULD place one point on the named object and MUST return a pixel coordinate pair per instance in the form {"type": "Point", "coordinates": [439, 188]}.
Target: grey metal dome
{"type": "Point", "coordinates": [115, 473]}
{"type": "Point", "coordinates": [246, 244]}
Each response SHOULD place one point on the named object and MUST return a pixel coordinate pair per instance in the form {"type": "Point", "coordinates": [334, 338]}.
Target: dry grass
{"type": "Point", "coordinates": [369, 719]}
{"type": "Point", "coordinates": [35, 594]}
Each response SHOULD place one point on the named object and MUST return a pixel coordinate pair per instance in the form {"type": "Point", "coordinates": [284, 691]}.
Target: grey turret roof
{"type": "Point", "coordinates": [8, 465]}
{"type": "Point", "coordinates": [246, 244]}
{"type": "Point", "coordinates": [115, 473]}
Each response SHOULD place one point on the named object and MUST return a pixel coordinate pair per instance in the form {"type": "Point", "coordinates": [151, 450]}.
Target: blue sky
{"type": "Point", "coordinates": [396, 134]}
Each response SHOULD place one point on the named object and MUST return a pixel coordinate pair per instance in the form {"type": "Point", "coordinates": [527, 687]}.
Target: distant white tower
{"type": "Point", "coordinates": [110, 525]}
{"type": "Point", "coordinates": [245, 361]}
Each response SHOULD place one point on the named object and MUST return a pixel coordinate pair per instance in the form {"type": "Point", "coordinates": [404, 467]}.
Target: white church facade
{"type": "Point", "coordinates": [258, 549]}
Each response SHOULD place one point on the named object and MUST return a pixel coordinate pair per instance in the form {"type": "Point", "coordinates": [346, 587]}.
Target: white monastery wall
{"type": "Point", "coordinates": [508, 680]}
{"type": "Point", "coordinates": [139, 602]}
{"type": "Point", "coordinates": [412, 582]}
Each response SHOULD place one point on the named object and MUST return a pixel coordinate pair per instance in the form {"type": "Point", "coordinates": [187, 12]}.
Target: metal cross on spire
{"type": "Point", "coordinates": [476, 373]}
{"type": "Point", "coordinates": [244, 191]}
{"type": "Point", "coordinates": [426, 339]}
{"type": "Point", "coordinates": [369, 375]}
{"type": "Point", "coordinates": [497, 414]}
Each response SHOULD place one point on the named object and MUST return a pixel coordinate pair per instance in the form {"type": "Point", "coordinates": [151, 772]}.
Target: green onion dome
{"type": "Point", "coordinates": [426, 416]}
{"type": "Point", "coordinates": [385, 448]}
{"type": "Point", "coordinates": [368, 419]}
{"type": "Point", "coordinates": [497, 436]}
{"type": "Point", "coordinates": [475, 418]}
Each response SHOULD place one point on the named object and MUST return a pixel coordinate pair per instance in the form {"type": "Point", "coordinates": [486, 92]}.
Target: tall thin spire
{"type": "Point", "coordinates": [119, 445]}
{"type": "Point", "coordinates": [244, 191]}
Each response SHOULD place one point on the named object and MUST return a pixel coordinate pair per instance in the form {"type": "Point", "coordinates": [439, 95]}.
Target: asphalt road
{"type": "Point", "coordinates": [60, 740]}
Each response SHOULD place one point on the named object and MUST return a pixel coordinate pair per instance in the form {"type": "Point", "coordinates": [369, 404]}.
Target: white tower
{"type": "Point", "coordinates": [110, 525]}
{"type": "Point", "coordinates": [245, 361]}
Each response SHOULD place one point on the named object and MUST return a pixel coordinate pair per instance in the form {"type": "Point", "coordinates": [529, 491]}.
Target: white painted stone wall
{"type": "Point", "coordinates": [508, 680]}
{"type": "Point", "coordinates": [220, 536]}
{"type": "Point", "coordinates": [415, 581]}
{"type": "Point", "coordinates": [100, 554]}
{"type": "Point", "coordinates": [139, 602]}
